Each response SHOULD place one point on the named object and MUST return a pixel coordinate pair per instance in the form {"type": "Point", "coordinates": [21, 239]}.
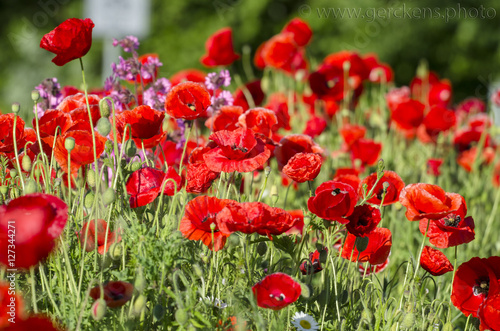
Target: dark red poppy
{"type": "Point", "coordinates": [278, 103]}
{"type": "Point", "coordinates": [145, 184]}
{"type": "Point", "coordinates": [449, 231]}
{"type": "Point", "coordinates": [33, 322]}
{"type": "Point", "coordinates": [363, 220]}
{"type": "Point", "coordinates": [433, 167]}
{"type": "Point", "coordinates": [333, 201]}
{"type": "Point", "coordinates": [116, 293]}
{"type": "Point", "coordinates": [328, 80]}
{"type": "Point", "coordinates": [474, 281]}
{"type": "Point", "coordinates": [313, 265]}
{"type": "Point", "coordinates": [315, 126]}
{"type": "Point", "coordinates": [143, 124]}
{"type": "Point", "coordinates": [188, 75]}
{"type": "Point", "coordinates": [396, 96]}
{"type": "Point", "coordinates": [303, 167]}
{"type": "Point", "coordinates": [253, 90]}
{"type": "Point", "coordinates": [352, 132]}
{"type": "Point", "coordinates": [394, 185]}
{"type": "Point", "coordinates": [38, 220]}
{"type": "Point", "coordinates": [366, 150]}
{"type": "Point", "coordinates": [439, 119]}
{"type": "Point", "coordinates": [219, 48]}
{"type": "Point", "coordinates": [97, 235]}
{"type": "Point", "coordinates": [467, 137]}
{"type": "Point", "coordinates": [471, 106]}
{"type": "Point", "coordinates": [489, 312]}
{"type": "Point", "coordinates": [435, 262]}
{"type": "Point", "coordinates": [408, 114]}
{"type": "Point", "coordinates": [254, 217]}
{"type": "Point", "coordinates": [430, 201]}
{"type": "Point", "coordinates": [276, 291]}
{"type": "Point", "coordinates": [76, 106]}
{"type": "Point", "coordinates": [239, 150]}
{"type": "Point", "coordinates": [378, 72]}
{"type": "Point", "coordinates": [293, 144]}
{"type": "Point", "coordinates": [200, 214]}
{"type": "Point", "coordinates": [377, 251]}
{"type": "Point", "coordinates": [187, 100]}
{"type": "Point", "coordinates": [300, 30]}
{"type": "Point", "coordinates": [12, 305]}
{"type": "Point", "coordinates": [259, 120]}
{"type": "Point", "coordinates": [224, 119]}
{"type": "Point", "coordinates": [70, 40]}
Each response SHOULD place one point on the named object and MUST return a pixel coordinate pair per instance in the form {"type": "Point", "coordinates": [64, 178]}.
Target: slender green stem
{"type": "Point", "coordinates": [16, 154]}
{"type": "Point", "coordinates": [33, 290]}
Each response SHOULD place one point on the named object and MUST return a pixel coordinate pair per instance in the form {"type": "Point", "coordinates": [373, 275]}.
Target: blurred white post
{"type": "Point", "coordinates": [117, 19]}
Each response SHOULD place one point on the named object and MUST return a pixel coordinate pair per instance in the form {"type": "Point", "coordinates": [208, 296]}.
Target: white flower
{"type": "Point", "coordinates": [216, 302]}
{"type": "Point", "coordinates": [303, 322]}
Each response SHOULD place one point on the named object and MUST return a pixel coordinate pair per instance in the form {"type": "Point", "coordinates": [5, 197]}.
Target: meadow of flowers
{"type": "Point", "coordinates": [319, 196]}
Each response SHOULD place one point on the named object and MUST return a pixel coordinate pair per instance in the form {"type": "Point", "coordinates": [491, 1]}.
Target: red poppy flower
{"type": "Point", "coordinates": [439, 119]}
{"type": "Point", "coordinates": [373, 268]}
{"type": "Point", "coordinates": [12, 305]}
{"type": "Point", "coordinates": [199, 177]}
{"type": "Point", "coordinates": [358, 71]}
{"type": "Point", "coordinates": [333, 201]}
{"type": "Point", "coordinates": [70, 40]}
{"type": "Point", "coordinates": [7, 129]}
{"type": "Point", "coordinates": [224, 119]}
{"type": "Point", "coordinates": [435, 262]}
{"type": "Point", "coordinates": [276, 291]}
{"type": "Point", "coordinates": [188, 75]}
{"type": "Point", "coordinates": [396, 96]}
{"type": "Point", "coordinates": [293, 144]}
{"type": "Point", "coordinates": [219, 47]}
{"type": "Point", "coordinates": [143, 59]}
{"type": "Point", "coordinates": [279, 50]}
{"type": "Point", "coordinates": [378, 72]}
{"type": "Point", "coordinates": [315, 126]}
{"type": "Point", "coordinates": [420, 85]}
{"type": "Point", "coordinates": [116, 293]}
{"type": "Point", "coordinates": [377, 251]}
{"type": "Point", "coordinates": [467, 158]}
{"type": "Point", "coordinates": [254, 217]}
{"type": "Point", "coordinates": [187, 100]}
{"type": "Point", "coordinates": [51, 119]}
{"type": "Point", "coordinates": [363, 220]}
{"type": "Point", "coordinates": [489, 313]}
{"type": "Point", "coordinates": [99, 237]}
{"type": "Point", "coordinates": [278, 103]}
{"type": "Point", "coordinates": [300, 30]}
{"type": "Point", "coordinates": [366, 150]}
{"type": "Point", "coordinates": [303, 167]}
{"type": "Point", "coordinates": [172, 153]}
{"type": "Point", "coordinates": [200, 214]}
{"type": "Point", "coordinates": [254, 89]}
{"type": "Point", "coordinates": [145, 184]}
{"type": "Point", "coordinates": [298, 224]}
{"type": "Point", "coordinates": [76, 106]}
{"type": "Point", "coordinates": [352, 132]}
{"type": "Point", "coordinates": [408, 114]}
{"type": "Point", "coordinates": [145, 126]}
{"type": "Point", "coordinates": [395, 185]}
{"type": "Point", "coordinates": [313, 265]}
{"type": "Point", "coordinates": [474, 281]}
{"type": "Point", "coordinates": [239, 150]}
{"type": "Point", "coordinates": [38, 219]}
{"type": "Point", "coordinates": [430, 201]}
{"type": "Point", "coordinates": [471, 106]}
{"type": "Point", "coordinates": [433, 167]}
{"type": "Point", "coordinates": [352, 180]}
{"type": "Point", "coordinates": [33, 322]}
{"type": "Point", "coordinates": [259, 120]}
{"type": "Point", "coordinates": [440, 93]}
{"type": "Point", "coordinates": [328, 80]}
{"type": "Point", "coordinates": [449, 231]}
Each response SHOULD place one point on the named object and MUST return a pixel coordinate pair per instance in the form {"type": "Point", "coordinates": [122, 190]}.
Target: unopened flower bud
{"type": "Point", "coordinates": [69, 144]}
{"type": "Point", "coordinates": [89, 200]}
{"type": "Point", "coordinates": [181, 316]}
{"type": "Point", "coordinates": [35, 95]}
{"type": "Point", "coordinates": [91, 177]}
{"type": "Point", "coordinates": [30, 187]}
{"type": "Point", "coordinates": [104, 126]}
{"type": "Point", "coordinates": [305, 290]}
{"type": "Point", "coordinates": [361, 243]}
{"type": "Point", "coordinates": [267, 171]}
{"type": "Point", "coordinates": [274, 190]}
{"type": "Point", "coordinates": [99, 309]}
{"type": "Point", "coordinates": [26, 163]}
{"type": "Point", "coordinates": [140, 281]}
{"type": "Point", "coordinates": [408, 321]}
{"type": "Point", "coordinates": [130, 148]}
{"type": "Point", "coordinates": [16, 107]}
{"type": "Point", "coordinates": [262, 248]}
{"type": "Point", "coordinates": [139, 304]}
{"type": "Point", "coordinates": [4, 189]}
{"type": "Point", "coordinates": [158, 312]}
{"type": "Point", "coordinates": [108, 196]}
{"type": "Point", "coordinates": [135, 166]}
{"type": "Point", "coordinates": [198, 271]}
{"type": "Point", "coordinates": [115, 251]}
{"type": "Point", "coordinates": [104, 108]}
{"type": "Point", "coordinates": [13, 173]}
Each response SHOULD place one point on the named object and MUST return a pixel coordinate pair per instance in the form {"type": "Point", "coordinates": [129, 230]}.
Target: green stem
{"type": "Point", "coordinates": [15, 153]}
{"type": "Point", "coordinates": [33, 290]}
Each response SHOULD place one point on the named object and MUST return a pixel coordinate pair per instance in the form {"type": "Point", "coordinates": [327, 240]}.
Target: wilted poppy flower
{"type": "Point", "coordinates": [70, 40]}
{"type": "Point", "coordinates": [435, 262]}
{"type": "Point", "coordinates": [145, 184]}
{"type": "Point", "coordinates": [450, 231]}
{"type": "Point", "coordinates": [239, 150]}
{"type": "Point", "coordinates": [377, 251]}
{"type": "Point", "coordinates": [293, 144]}
{"type": "Point", "coordinates": [394, 184]}
{"type": "Point", "coordinates": [254, 90]}
{"type": "Point", "coordinates": [433, 167]}
{"type": "Point", "coordinates": [363, 220]}
{"type": "Point", "coordinates": [187, 100]}
{"type": "Point", "coordinates": [474, 281]}
{"type": "Point", "coordinates": [333, 201]}
{"type": "Point", "coordinates": [142, 124]}
{"type": "Point", "coordinates": [300, 30]}
{"type": "Point", "coordinates": [219, 48]}
{"type": "Point", "coordinates": [276, 291]}
{"type": "Point", "coordinates": [97, 235]}
{"type": "Point", "coordinates": [33, 322]}
{"type": "Point", "coordinates": [314, 264]}
{"type": "Point", "coordinates": [12, 303]}
{"type": "Point", "coordinates": [254, 217]}
{"type": "Point", "coordinates": [489, 312]}
{"type": "Point", "coordinates": [76, 106]}
{"type": "Point", "coordinates": [303, 167]}
{"type": "Point", "coordinates": [200, 214]}
{"type": "Point", "coordinates": [259, 120]}
{"type": "Point", "coordinates": [430, 201]}
{"type": "Point", "coordinates": [352, 132]}
{"type": "Point", "coordinates": [39, 219]}
{"type": "Point", "coordinates": [315, 126]}
{"type": "Point", "coordinates": [366, 150]}
{"type": "Point", "coordinates": [224, 119]}
{"type": "Point", "coordinates": [408, 114]}
{"type": "Point", "coordinates": [116, 293]}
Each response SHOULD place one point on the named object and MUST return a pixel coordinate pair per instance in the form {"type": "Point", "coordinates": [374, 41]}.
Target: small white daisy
{"type": "Point", "coordinates": [303, 321]}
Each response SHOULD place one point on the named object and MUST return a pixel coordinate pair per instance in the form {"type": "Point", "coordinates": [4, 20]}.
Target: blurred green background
{"type": "Point", "coordinates": [464, 49]}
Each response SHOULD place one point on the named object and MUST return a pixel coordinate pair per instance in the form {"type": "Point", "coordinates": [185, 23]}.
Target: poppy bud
{"type": "Point", "coordinates": [305, 290]}
{"type": "Point", "coordinates": [91, 178]}
{"type": "Point", "coordinates": [262, 248]}
{"type": "Point", "coordinates": [104, 126]}
{"type": "Point", "coordinates": [115, 251]}
{"type": "Point", "coordinates": [181, 316]}
{"type": "Point", "coordinates": [104, 108]}
{"type": "Point", "coordinates": [198, 270]}
{"type": "Point", "coordinates": [26, 163]}
{"type": "Point", "coordinates": [135, 166]}
{"type": "Point", "coordinates": [130, 148]}
{"type": "Point", "coordinates": [267, 171]}
{"type": "Point", "coordinates": [99, 309]}
{"type": "Point", "coordinates": [89, 200]}
{"type": "Point", "coordinates": [139, 304]}
{"type": "Point", "coordinates": [380, 168]}
{"type": "Point", "coordinates": [447, 327]}
{"type": "Point", "coordinates": [38, 173]}
{"type": "Point", "coordinates": [13, 173]}
{"type": "Point", "coordinates": [4, 189]}
{"type": "Point", "coordinates": [69, 144]}
{"type": "Point", "coordinates": [422, 69]}
{"type": "Point", "coordinates": [16, 107]}
{"type": "Point", "coordinates": [108, 196]}
{"type": "Point", "coordinates": [30, 187]}
{"type": "Point", "coordinates": [361, 243]}
{"type": "Point", "coordinates": [35, 95]}
{"type": "Point", "coordinates": [158, 312]}
{"type": "Point", "coordinates": [408, 321]}
{"type": "Point", "coordinates": [140, 282]}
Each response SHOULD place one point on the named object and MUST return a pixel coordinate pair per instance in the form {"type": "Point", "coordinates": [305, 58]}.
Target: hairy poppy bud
{"type": "Point", "coordinates": [140, 282]}
{"type": "Point", "coordinates": [181, 316]}
{"type": "Point", "coordinates": [16, 107]}
{"type": "Point", "coordinates": [108, 196]}
{"type": "Point", "coordinates": [198, 270]}
{"type": "Point", "coordinates": [13, 173]}
{"type": "Point", "coordinates": [158, 312]}
{"type": "Point", "coordinates": [26, 163]}
{"type": "Point", "coordinates": [130, 148]}
{"type": "Point", "coordinates": [69, 144]}
{"type": "Point", "coordinates": [139, 304]}
{"type": "Point", "coordinates": [30, 187]}
{"type": "Point", "coordinates": [35, 95]}
{"type": "Point", "coordinates": [135, 166]}
{"type": "Point", "coordinates": [305, 290]}
{"type": "Point", "coordinates": [104, 126]}
{"type": "Point", "coordinates": [4, 189]}
{"type": "Point", "coordinates": [408, 321]}
{"type": "Point", "coordinates": [99, 309]}
{"type": "Point", "coordinates": [361, 243]}
{"type": "Point", "coordinates": [262, 248]}
{"type": "Point", "coordinates": [115, 251]}
{"type": "Point", "coordinates": [91, 177]}
{"type": "Point", "coordinates": [104, 108]}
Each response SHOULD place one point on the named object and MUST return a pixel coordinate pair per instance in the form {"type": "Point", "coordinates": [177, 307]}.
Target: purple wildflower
{"type": "Point", "coordinates": [120, 95]}
{"type": "Point", "coordinates": [225, 98]}
{"type": "Point", "coordinates": [50, 96]}
{"type": "Point", "coordinates": [214, 80]}
{"type": "Point", "coordinates": [155, 96]}
{"type": "Point", "coordinates": [182, 130]}
{"type": "Point", "coordinates": [125, 69]}
{"type": "Point", "coordinates": [149, 68]}
{"type": "Point", "coordinates": [129, 44]}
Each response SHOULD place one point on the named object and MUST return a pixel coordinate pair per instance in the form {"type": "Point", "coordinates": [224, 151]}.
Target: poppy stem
{"type": "Point", "coordinates": [15, 153]}
{"type": "Point", "coordinates": [33, 290]}
{"type": "Point", "coordinates": [69, 180]}
{"type": "Point", "coordinates": [421, 249]}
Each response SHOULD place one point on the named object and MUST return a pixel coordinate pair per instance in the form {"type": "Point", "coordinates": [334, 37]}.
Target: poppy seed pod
{"type": "Point", "coordinates": [181, 316]}
{"type": "Point", "coordinates": [35, 95]}
{"type": "Point", "coordinates": [69, 144]}
{"type": "Point", "coordinates": [262, 248]}
{"type": "Point", "coordinates": [139, 305]}
{"type": "Point", "coordinates": [16, 107]}
{"type": "Point", "coordinates": [130, 148]}
{"type": "Point", "coordinates": [115, 251]}
{"type": "Point", "coordinates": [26, 163]}
{"type": "Point", "coordinates": [91, 177]}
{"type": "Point", "coordinates": [108, 196]}
{"type": "Point", "coordinates": [30, 187]}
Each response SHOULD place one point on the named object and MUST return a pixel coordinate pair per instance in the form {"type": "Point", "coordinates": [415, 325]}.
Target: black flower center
{"type": "Point", "coordinates": [481, 287]}
{"type": "Point", "coordinates": [191, 106]}
{"type": "Point", "coordinates": [452, 220]}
